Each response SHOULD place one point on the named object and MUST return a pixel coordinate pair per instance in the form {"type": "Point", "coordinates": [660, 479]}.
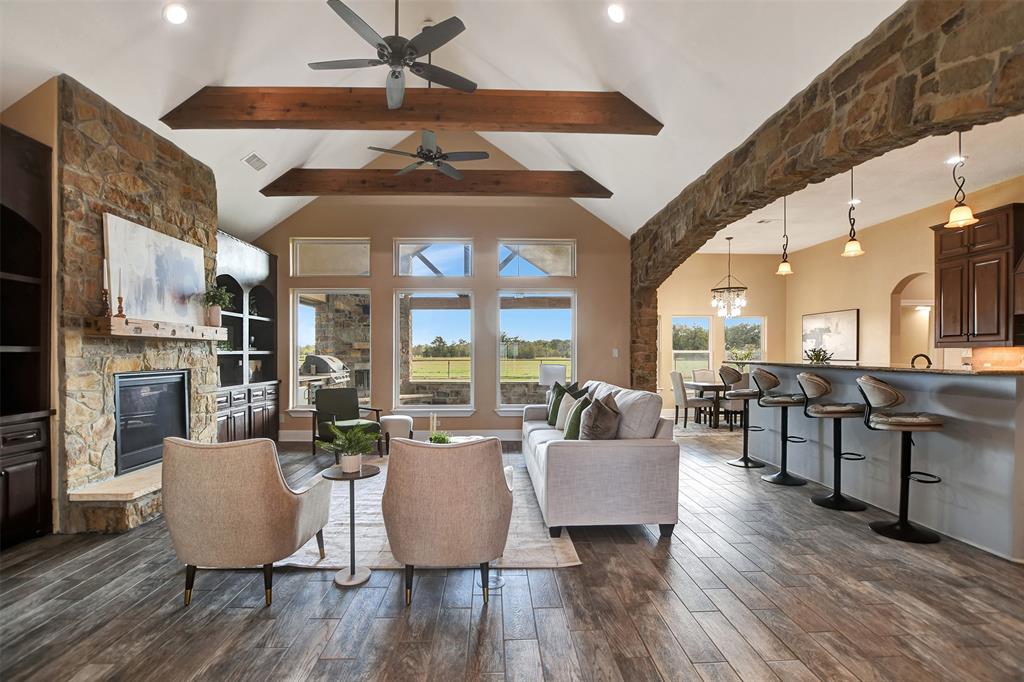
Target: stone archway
{"type": "Point", "coordinates": [929, 69]}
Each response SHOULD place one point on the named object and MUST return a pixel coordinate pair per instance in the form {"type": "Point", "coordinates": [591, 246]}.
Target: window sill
{"type": "Point", "coordinates": [301, 412]}
{"type": "Point", "coordinates": [510, 410]}
{"type": "Point", "coordinates": [440, 410]}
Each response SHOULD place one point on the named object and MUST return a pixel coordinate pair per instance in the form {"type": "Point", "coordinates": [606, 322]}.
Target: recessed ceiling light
{"type": "Point", "coordinates": [175, 13]}
{"type": "Point", "coordinates": [616, 13]}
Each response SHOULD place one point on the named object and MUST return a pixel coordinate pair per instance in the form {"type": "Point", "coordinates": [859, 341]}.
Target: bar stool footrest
{"type": "Point", "coordinates": [852, 456]}
{"type": "Point", "coordinates": [795, 439]}
{"type": "Point", "coordinates": [924, 477]}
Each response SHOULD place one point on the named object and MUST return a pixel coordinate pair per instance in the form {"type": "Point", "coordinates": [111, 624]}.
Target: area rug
{"type": "Point", "coordinates": [529, 543]}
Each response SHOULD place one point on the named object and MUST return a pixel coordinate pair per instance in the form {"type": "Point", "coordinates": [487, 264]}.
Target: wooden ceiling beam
{"type": "Point", "coordinates": [535, 111]}
{"type": "Point", "coordinates": [315, 182]}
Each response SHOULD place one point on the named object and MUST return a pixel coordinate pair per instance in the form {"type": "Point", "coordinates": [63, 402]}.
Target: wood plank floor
{"type": "Point", "coordinates": [756, 584]}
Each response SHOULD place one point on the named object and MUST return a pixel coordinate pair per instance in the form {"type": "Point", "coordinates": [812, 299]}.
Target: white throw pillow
{"type": "Point", "coordinates": [564, 408]}
{"type": "Point", "coordinates": [640, 412]}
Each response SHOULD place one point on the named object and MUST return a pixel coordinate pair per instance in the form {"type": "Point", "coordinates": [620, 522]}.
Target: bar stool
{"type": "Point", "coordinates": [766, 381]}
{"type": "Point", "coordinates": [815, 386]}
{"type": "Point", "coordinates": [731, 377]}
{"type": "Point", "coordinates": [880, 396]}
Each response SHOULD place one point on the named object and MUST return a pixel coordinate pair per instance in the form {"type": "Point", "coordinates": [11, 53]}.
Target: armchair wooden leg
{"type": "Point", "coordinates": [190, 580]}
{"type": "Point", "coordinates": [320, 543]}
{"type": "Point", "coordinates": [268, 582]}
{"type": "Point", "coordinates": [485, 567]}
{"type": "Point", "coordinates": [387, 443]}
{"type": "Point", "coordinates": [408, 584]}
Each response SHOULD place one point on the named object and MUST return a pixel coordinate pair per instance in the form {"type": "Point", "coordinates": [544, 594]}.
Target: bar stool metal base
{"type": "Point", "coordinates": [784, 478]}
{"type": "Point", "coordinates": [745, 463]}
{"type": "Point", "coordinates": [839, 502]}
{"type": "Point", "coordinates": [905, 531]}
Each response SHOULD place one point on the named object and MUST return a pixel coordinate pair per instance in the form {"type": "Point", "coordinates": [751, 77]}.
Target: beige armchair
{"type": "Point", "coordinates": [447, 505]}
{"type": "Point", "coordinates": [227, 506]}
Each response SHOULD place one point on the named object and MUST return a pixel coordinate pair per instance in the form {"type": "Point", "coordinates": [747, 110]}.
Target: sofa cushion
{"type": "Point", "coordinates": [543, 436]}
{"type": "Point", "coordinates": [601, 389]}
{"type": "Point", "coordinates": [600, 421]}
{"type": "Point", "coordinates": [640, 412]}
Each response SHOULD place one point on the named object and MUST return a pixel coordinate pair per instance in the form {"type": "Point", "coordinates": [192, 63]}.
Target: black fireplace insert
{"type": "Point", "coordinates": [148, 406]}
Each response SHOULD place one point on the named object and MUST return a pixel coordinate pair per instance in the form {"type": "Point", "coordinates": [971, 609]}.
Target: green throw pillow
{"type": "Point", "coordinates": [557, 391]}
{"type": "Point", "coordinates": [572, 424]}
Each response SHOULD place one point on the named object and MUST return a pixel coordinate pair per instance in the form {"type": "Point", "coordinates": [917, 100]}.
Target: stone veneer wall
{"type": "Point", "coordinates": [930, 68]}
{"type": "Point", "coordinates": [343, 330]}
{"type": "Point", "coordinates": [110, 163]}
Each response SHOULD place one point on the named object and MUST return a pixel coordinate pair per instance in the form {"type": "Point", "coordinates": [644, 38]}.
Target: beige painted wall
{"type": "Point", "coordinates": [601, 284]}
{"type": "Point", "coordinates": [893, 250]}
{"type": "Point", "coordinates": [688, 292]}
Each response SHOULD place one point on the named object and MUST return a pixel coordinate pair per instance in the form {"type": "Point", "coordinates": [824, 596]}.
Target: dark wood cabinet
{"type": "Point", "coordinates": [979, 281]}
{"type": "Point", "coordinates": [25, 508]}
{"type": "Point", "coordinates": [240, 424]}
{"type": "Point", "coordinates": [250, 412]}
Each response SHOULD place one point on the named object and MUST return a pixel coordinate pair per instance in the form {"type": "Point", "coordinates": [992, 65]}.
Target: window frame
{"type": "Point", "coordinates": [396, 378]}
{"type": "Point", "coordinates": [397, 243]}
{"type": "Point", "coordinates": [539, 240]}
{"type": "Point", "coordinates": [764, 338]}
{"type": "Point", "coordinates": [710, 351]}
{"type": "Point", "coordinates": [294, 261]}
{"type": "Point", "coordinates": [293, 338]}
{"type": "Point", "coordinates": [509, 409]}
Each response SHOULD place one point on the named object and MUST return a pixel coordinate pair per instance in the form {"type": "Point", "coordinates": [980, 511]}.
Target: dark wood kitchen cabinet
{"type": "Point", "coordinates": [250, 412]}
{"type": "Point", "coordinates": [979, 281]}
{"type": "Point", "coordinates": [25, 508]}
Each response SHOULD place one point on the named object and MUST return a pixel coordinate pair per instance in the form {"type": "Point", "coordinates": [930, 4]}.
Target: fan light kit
{"type": "Point", "coordinates": [729, 299]}
{"type": "Point", "coordinates": [852, 248]}
{"type": "Point", "coordinates": [616, 13]}
{"type": "Point", "coordinates": [784, 267]}
{"type": "Point", "coordinates": [175, 13]}
{"type": "Point", "coordinates": [961, 215]}
{"type": "Point", "coordinates": [429, 152]}
{"type": "Point", "coordinates": [400, 53]}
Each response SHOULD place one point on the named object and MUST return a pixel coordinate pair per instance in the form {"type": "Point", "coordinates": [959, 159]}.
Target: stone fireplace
{"type": "Point", "coordinates": [148, 407]}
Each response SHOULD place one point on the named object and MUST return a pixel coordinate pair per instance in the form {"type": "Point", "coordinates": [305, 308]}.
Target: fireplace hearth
{"type": "Point", "coordinates": [149, 406]}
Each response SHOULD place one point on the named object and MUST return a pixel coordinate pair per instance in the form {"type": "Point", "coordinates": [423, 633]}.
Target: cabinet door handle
{"type": "Point", "coordinates": [3, 474]}
{"type": "Point", "coordinates": [23, 437]}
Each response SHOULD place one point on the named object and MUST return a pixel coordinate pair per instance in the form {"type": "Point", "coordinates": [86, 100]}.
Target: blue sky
{"type": "Point", "coordinates": [307, 326]}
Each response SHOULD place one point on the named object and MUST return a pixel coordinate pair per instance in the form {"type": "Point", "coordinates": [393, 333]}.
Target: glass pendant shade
{"type": "Point", "coordinates": [784, 268]}
{"type": "Point", "coordinates": [729, 297]}
{"type": "Point", "coordinates": [961, 216]}
{"type": "Point", "coordinates": [852, 249]}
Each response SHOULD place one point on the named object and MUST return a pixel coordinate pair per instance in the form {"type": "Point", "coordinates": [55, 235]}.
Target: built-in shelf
{"type": "Point", "coordinates": [261, 352]}
{"type": "Point", "coordinates": [128, 327]}
{"type": "Point", "coordinates": [257, 318]}
{"type": "Point", "coordinates": [20, 349]}
{"type": "Point", "coordinates": [24, 279]}
{"type": "Point", "coordinates": [228, 352]}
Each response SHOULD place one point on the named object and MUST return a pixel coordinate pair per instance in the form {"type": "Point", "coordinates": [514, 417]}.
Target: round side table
{"type": "Point", "coordinates": [355, 575]}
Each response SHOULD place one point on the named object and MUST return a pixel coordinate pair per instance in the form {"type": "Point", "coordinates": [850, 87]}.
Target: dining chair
{"type": "Point", "coordinates": [686, 402]}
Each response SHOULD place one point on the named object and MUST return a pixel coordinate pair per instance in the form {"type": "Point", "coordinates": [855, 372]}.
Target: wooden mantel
{"type": "Point", "coordinates": [151, 329]}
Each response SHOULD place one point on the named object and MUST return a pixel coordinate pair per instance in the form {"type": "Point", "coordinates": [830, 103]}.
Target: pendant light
{"type": "Point", "coordinates": [784, 267]}
{"type": "Point", "coordinates": [961, 215]}
{"type": "Point", "coordinates": [729, 299]}
{"type": "Point", "coordinates": [852, 248]}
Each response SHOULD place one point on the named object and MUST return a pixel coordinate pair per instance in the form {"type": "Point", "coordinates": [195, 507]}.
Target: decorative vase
{"type": "Point", "coordinates": [213, 316]}
{"type": "Point", "coordinates": [350, 464]}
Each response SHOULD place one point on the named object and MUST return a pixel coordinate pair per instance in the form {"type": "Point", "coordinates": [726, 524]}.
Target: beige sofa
{"type": "Point", "coordinates": [632, 479]}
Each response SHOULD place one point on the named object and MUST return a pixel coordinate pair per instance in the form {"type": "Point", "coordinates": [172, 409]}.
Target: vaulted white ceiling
{"type": "Point", "coordinates": [710, 71]}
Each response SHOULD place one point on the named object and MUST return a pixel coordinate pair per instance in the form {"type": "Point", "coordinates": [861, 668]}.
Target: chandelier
{"type": "Point", "coordinates": [727, 297]}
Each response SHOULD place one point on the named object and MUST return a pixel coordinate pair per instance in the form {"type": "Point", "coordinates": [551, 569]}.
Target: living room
{"type": "Point", "coordinates": [235, 279]}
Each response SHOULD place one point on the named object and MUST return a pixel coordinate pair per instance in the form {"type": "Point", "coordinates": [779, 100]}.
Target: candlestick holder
{"type": "Point", "coordinates": [120, 307]}
{"type": "Point", "coordinates": [105, 295]}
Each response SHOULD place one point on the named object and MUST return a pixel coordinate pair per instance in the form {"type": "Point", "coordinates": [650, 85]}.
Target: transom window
{"type": "Point", "coordinates": [537, 258]}
{"type": "Point", "coordinates": [691, 343]}
{"type": "Point", "coordinates": [534, 328]}
{"type": "Point", "coordinates": [434, 258]}
{"type": "Point", "coordinates": [312, 257]}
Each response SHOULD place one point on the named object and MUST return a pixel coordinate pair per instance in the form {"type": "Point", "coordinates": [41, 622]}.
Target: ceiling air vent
{"type": "Point", "coordinates": [255, 162]}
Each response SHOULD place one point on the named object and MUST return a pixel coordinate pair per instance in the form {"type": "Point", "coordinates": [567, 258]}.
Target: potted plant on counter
{"type": "Point", "coordinates": [215, 299]}
{"type": "Point", "coordinates": [818, 356]}
{"type": "Point", "coordinates": [349, 446]}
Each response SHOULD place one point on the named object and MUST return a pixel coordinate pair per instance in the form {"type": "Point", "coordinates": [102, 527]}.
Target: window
{"type": "Point", "coordinates": [434, 349]}
{"type": "Point", "coordinates": [744, 339]}
{"type": "Point", "coordinates": [534, 328]}
{"type": "Point", "coordinates": [330, 256]}
{"type": "Point", "coordinates": [691, 344]}
{"type": "Point", "coordinates": [332, 342]}
{"type": "Point", "coordinates": [537, 258]}
{"type": "Point", "coordinates": [434, 258]}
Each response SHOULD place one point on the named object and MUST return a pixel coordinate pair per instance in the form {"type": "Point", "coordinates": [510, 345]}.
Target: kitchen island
{"type": "Point", "coordinates": [979, 453]}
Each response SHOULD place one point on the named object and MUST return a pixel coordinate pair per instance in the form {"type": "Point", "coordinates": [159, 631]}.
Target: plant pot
{"type": "Point", "coordinates": [350, 464]}
{"type": "Point", "coordinates": [213, 316]}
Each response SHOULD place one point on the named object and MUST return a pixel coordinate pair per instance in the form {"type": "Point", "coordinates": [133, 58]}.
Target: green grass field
{"type": "Point", "coordinates": [457, 369]}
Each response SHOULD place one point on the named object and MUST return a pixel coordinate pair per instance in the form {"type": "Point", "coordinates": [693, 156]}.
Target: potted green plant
{"type": "Point", "coordinates": [349, 446]}
{"type": "Point", "coordinates": [441, 437]}
{"type": "Point", "coordinates": [216, 298]}
{"type": "Point", "coordinates": [818, 356]}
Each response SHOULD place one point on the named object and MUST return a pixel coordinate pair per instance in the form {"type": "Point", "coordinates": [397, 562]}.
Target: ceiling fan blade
{"type": "Point", "coordinates": [344, 64]}
{"type": "Point", "coordinates": [429, 141]}
{"type": "Point", "coordinates": [358, 25]}
{"type": "Point", "coordinates": [433, 37]}
{"type": "Point", "coordinates": [410, 167]}
{"type": "Point", "coordinates": [466, 156]}
{"type": "Point", "coordinates": [393, 151]}
{"type": "Point", "coordinates": [436, 74]}
{"type": "Point", "coordinates": [396, 88]}
{"type": "Point", "coordinates": [449, 170]}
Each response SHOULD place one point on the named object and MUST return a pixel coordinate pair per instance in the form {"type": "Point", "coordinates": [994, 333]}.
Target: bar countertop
{"type": "Point", "coordinates": [984, 371]}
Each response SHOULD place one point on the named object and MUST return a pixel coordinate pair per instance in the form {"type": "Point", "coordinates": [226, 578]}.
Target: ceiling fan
{"type": "Point", "coordinates": [400, 53]}
{"type": "Point", "coordinates": [429, 152]}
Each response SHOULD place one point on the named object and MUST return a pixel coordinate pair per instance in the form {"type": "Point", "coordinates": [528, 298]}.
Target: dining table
{"type": "Point", "coordinates": [715, 387]}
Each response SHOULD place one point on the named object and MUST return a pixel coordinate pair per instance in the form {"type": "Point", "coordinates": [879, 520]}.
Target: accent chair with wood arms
{"type": "Point", "coordinates": [447, 505]}
{"type": "Point", "coordinates": [227, 505]}
{"type": "Point", "coordinates": [341, 406]}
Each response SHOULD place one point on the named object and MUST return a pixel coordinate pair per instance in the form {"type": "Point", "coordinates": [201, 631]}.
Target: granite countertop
{"type": "Point", "coordinates": [1010, 371]}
